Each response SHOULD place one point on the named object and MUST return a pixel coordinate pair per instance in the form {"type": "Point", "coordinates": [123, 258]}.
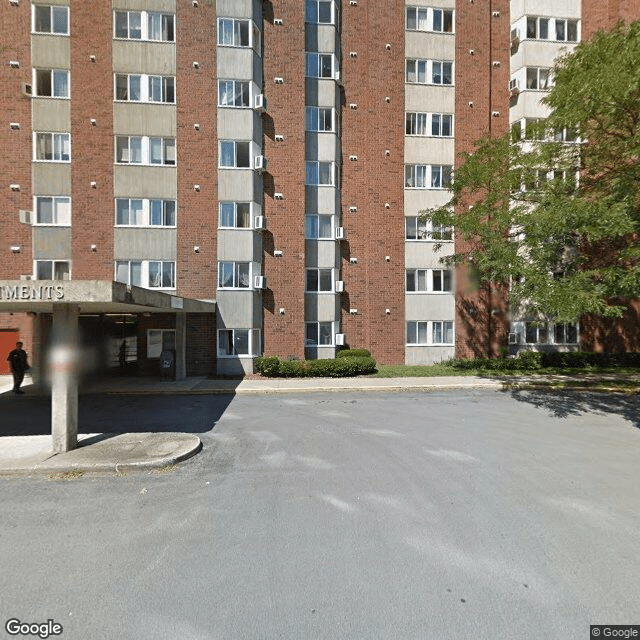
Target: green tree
{"type": "Point", "coordinates": [564, 246]}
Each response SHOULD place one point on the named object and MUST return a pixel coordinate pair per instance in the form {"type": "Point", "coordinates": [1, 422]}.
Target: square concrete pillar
{"type": "Point", "coordinates": [63, 363]}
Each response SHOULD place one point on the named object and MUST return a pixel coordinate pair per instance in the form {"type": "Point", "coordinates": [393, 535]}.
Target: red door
{"type": "Point", "coordinates": [8, 341]}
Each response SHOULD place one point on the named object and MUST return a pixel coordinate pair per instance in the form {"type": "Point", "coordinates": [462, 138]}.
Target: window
{"type": "Point", "coordinates": [318, 333]}
{"type": "Point", "coordinates": [417, 229]}
{"type": "Point", "coordinates": [161, 27]}
{"type": "Point", "coordinates": [425, 176]}
{"type": "Point", "coordinates": [321, 65]}
{"type": "Point", "coordinates": [319, 280]}
{"type": "Point", "coordinates": [143, 88]}
{"type": "Point", "coordinates": [425, 19]}
{"type": "Point", "coordinates": [429, 72]}
{"type": "Point", "coordinates": [439, 333]}
{"type": "Point", "coordinates": [236, 155]}
{"type": "Point", "coordinates": [429, 280]}
{"type": "Point", "coordinates": [319, 119]}
{"type": "Point", "coordinates": [48, 19]}
{"type": "Point", "coordinates": [233, 32]}
{"type": "Point", "coordinates": [143, 25]}
{"type": "Point", "coordinates": [51, 83]}
{"type": "Point", "coordinates": [145, 150]}
{"type": "Point", "coordinates": [144, 212]}
{"type": "Point", "coordinates": [53, 210]}
{"type": "Point", "coordinates": [234, 275]}
{"type": "Point", "coordinates": [538, 28]}
{"type": "Point", "coordinates": [151, 274]}
{"type": "Point", "coordinates": [52, 147]}
{"type": "Point", "coordinates": [233, 93]}
{"type": "Point", "coordinates": [320, 173]}
{"type": "Point", "coordinates": [238, 342]}
{"type": "Point", "coordinates": [159, 340]}
{"type": "Point", "coordinates": [429, 124]}
{"type": "Point", "coordinates": [565, 334]}
{"type": "Point", "coordinates": [52, 270]}
{"type": "Point", "coordinates": [234, 215]}
{"type": "Point", "coordinates": [319, 11]}
{"type": "Point", "coordinates": [318, 226]}
{"type": "Point", "coordinates": [536, 333]}
{"type": "Point", "coordinates": [538, 78]}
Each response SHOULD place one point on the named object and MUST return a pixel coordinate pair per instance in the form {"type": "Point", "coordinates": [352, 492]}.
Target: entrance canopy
{"type": "Point", "coordinates": [93, 296]}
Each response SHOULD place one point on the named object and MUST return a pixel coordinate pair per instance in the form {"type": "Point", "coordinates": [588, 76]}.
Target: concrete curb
{"type": "Point", "coordinates": [111, 453]}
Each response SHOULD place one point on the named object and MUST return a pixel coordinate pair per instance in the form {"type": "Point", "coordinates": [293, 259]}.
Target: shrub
{"type": "Point", "coordinates": [351, 353]}
{"type": "Point", "coordinates": [529, 360]}
{"type": "Point", "coordinates": [341, 367]}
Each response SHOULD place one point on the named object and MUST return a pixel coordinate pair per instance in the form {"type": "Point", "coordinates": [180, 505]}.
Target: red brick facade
{"type": "Point", "coordinates": [284, 333]}
{"type": "Point", "coordinates": [482, 107]}
{"type": "Point", "coordinates": [604, 15]}
{"type": "Point", "coordinates": [374, 132]}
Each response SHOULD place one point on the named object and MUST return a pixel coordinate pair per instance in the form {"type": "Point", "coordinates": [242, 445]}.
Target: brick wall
{"type": "Point", "coordinates": [201, 344]}
{"type": "Point", "coordinates": [15, 164]}
{"type": "Point", "coordinates": [597, 14]}
{"type": "Point", "coordinates": [375, 82]}
{"type": "Point", "coordinates": [481, 319]}
{"type": "Point", "coordinates": [197, 149]}
{"type": "Point", "coordinates": [285, 46]}
{"type": "Point", "coordinates": [92, 146]}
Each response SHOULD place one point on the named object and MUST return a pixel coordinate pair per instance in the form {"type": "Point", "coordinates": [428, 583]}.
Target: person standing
{"type": "Point", "coordinates": [18, 363]}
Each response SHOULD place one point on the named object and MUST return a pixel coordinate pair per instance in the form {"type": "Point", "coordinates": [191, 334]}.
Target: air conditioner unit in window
{"type": "Point", "coordinates": [514, 87]}
{"type": "Point", "coordinates": [259, 282]}
{"type": "Point", "coordinates": [341, 233]}
{"type": "Point", "coordinates": [339, 339]}
{"type": "Point", "coordinates": [25, 216]}
{"type": "Point", "coordinates": [260, 163]}
{"type": "Point", "coordinates": [259, 223]}
{"type": "Point", "coordinates": [338, 78]}
{"type": "Point", "coordinates": [26, 89]}
{"type": "Point", "coordinates": [514, 338]}
{"type": "Point", "coordinates": [260, 103]}
{"type": "Point", "coordinates": [339, 286]}
{"type": "Point", "coordinates": [26, 277]}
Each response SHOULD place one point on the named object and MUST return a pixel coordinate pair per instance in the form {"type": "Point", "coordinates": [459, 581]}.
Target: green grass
{"type": "Point", "coordinates": [445, 369]}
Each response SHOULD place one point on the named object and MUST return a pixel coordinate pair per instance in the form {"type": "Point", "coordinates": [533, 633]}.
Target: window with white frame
{"type": "Point", "coordinates": [144, 25]}
{"type": "Point", "coordinates": [321, 65]}
{"type": "Point", "coordinates": [427, 176]}
{"type": "Point", "coordinates": [318, 334]}
{"type": "Point", "coordinates": [151, 274]}
{"type": "Point", "coordinates": [318, 226]}
{"type": "Point", "coordinates": [52, 270]}
{"type": "Point", "coordinates": [234, 154]}
{"type": "Point", "coordinates": [431, 332]}
{"type": "Point", "coordinates": [429, 72]}
{"type": "Point", "coordinates": [51, 83]}
{"type": "Point", "coordinates": [53, 210]}
{"type": "Point", "coordinates": [234, 215]}
{"type": "Point", "coordinates": [319, 11]}
{"type": "Point", "coordinates": [234, 275]}
{"type": "Point", "coordinates": [539, 78]}
{"type": "Point", "coordinates": [145, 150]}
{"type": "Point", "coordinates": [234, 93]}
{"type": "Point", "coordinates": [320, 173]}
{"type": "Point", "coordinates": [429, 19]}
{"type": "Point", "coordinates": [319, 119]}
{"type": "Point", "coordinates": [429, 280]}
{"type": "Point", "coordinates": [236, 32]}
{"type": "Point", "coordinates": [51, 147]}
{"type": "Point", "coordinates": [429, 124]}
{"type": "Point", "coordinates": [159, 340]}
{"type": "Point", "coordinates": [417, 228]}
{"type": "Point", "coordinates": [319, 280]}
{"type": "Point", "coordinates": [566, 333]}
{"type": "Point", "coordinates": [238, 342]}
{"type": "Point", "coordinates": [144, 88]}
{"type": "Point", "coordinates": [551, 333]}
{"type": "Point", "coordinates": [558, 29]}
{"type": "Point", "coordinates": [51, 19]}
{"type": "Point", "coordinates": [145, 212]}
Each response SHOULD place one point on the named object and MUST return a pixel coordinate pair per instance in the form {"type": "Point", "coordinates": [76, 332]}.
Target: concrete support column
{"type": "Point", "coordinates": [64, 378]}
{"type": "Point", "coordinates": [37, 353]}
{"type": "Point", "coordinates": [181, 345]}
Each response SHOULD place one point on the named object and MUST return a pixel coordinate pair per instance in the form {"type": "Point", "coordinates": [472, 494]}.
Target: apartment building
{"type": "Point", "coordinates": [248, 176]}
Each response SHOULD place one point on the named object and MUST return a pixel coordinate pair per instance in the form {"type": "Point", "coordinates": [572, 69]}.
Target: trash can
{"type": "Point", "coordinates": [168, 364]}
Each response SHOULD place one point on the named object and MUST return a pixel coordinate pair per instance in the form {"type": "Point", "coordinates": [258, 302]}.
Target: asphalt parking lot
{"type": "Point", "coordinates": [474, 514]}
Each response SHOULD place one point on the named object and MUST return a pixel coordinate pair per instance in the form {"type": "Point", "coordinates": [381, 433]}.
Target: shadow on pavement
{"type": "Point", "coordinates": [28, 415]}
{"type": "Point", "coordinates": [574, 403]}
